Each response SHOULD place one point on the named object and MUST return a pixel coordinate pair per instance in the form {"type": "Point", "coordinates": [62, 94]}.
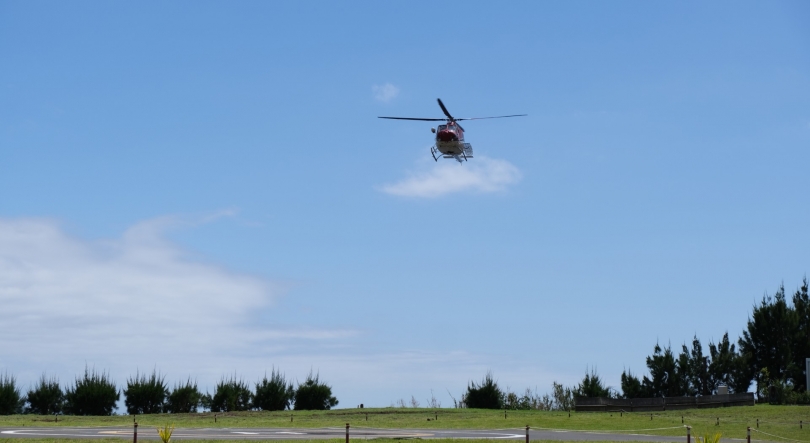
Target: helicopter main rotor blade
{"type": "Point", "coordinates": [500, 116]}
{"type": "Point", "coordinates": [445, 110]}
{"type": "Point", "coordinates": [415, 118]}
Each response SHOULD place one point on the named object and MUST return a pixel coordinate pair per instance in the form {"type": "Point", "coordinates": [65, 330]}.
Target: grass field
{"type": "Point", "coordinates": [781, 422]}
{"type": "Point", "coordinates": [381, 440]}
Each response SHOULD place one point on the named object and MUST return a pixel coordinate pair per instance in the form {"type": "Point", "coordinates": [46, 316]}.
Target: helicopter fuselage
{"type": "Point", "coordinates": [450, 139]}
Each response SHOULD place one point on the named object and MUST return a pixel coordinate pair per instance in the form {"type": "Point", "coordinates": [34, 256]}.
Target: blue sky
{"type": "Point", "coordinates": [204, 187]}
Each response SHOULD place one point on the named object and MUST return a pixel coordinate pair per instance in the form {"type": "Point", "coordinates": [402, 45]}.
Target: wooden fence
{"type": "Point", "coordinates": [602, 404]}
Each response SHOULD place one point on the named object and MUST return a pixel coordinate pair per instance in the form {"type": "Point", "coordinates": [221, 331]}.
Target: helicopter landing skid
{"type": "Point", "coordinates": [466, 153]}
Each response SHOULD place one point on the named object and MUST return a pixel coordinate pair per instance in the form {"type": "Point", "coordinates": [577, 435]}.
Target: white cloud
{"type": "Point", "coordinates": [135, 301]}
{"type": "Point", "coordinates": [481, 174]}
{"type": "Point", "coordinates": [385, 93]}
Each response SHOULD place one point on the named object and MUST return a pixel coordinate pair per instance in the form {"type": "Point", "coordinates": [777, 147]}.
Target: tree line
{"type": "Point", "coordinates": [95, 393]}
{"type": "Point", "coordinates": [771, 352]}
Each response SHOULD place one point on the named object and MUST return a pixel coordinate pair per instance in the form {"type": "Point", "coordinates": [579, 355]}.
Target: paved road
{"type": "Point", "coordinates": [323, 433]}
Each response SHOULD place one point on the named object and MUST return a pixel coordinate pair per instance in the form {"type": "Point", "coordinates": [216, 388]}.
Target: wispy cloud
{"type": "Point", "coordinates": [479, 175]}
{"type": "Point", "coordinates": [385, 93]}
{"type": "Point", "coordinates": [135, 301]}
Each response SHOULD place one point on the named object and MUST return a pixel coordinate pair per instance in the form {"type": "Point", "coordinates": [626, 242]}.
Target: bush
{"type": "Point", "coordinates": [780, 392]}
{"type": "Point", "coordinates": [145, 395]}
{"type": "Point", "coordinates": [231, 395]}
{"type": "Point", "coordinates": [11, 399]}
{"type": "Point", "coordinates": [47, 398]}
{"type": "Point", "coordinates": [707, 438]}
{"type": "Point", "coordinates": [184, 398]}
{"type": "Point", "coordinates": [274, 394]}
{"type": "Point", "coordinates": [563, 397]}
{"type": "Point", "coordinates": [165, 433]}
{"type": "Point", "coordinates": [314, 395]}
{"type": "Point", "coordinates": [528, 401]}
{"type": "Point", "coordinates": [487, 395]}
{"type": "Point", "coordinates": [93, 394]}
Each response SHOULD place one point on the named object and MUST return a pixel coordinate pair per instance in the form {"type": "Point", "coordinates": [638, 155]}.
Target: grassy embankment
{"type": "Point", "coordinates": [781, 421]}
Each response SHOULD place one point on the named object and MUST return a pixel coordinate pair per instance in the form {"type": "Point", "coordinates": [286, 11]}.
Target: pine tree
{"type": "Point", "coordinates": [592, 386]}
{"type": "Point", "coordinates": [275, 394]}
{"type": "Point", "coordinates": [145, 395]}
{"type": "Point", "coordinates": [231, 395]}
{"type": "Point", "coordinates": [11, 399]}
{"type": "Point", "coordinates": [47, 398]}
{"type": "Point", "coordinates": [314, 395]}
{"type": "Point", "coordinates": [184, 398]}
{"type": "Point", "coordinates": [486, 395]}
{"type": "Point", "coordinates": [93, 394]}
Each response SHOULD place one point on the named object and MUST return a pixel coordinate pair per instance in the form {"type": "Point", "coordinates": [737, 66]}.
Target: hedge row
{"type": "Point", "coordinates": [95, 393]}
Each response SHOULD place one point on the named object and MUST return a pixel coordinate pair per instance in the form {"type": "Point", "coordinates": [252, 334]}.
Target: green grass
{"type": "Point", "coordinates": [376, 440]}
{"type": "Point", "coordinates": [782, 421]}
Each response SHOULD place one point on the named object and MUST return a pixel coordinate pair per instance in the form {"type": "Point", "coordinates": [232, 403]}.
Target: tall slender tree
{"type": "Point", "coordinates": [698, 371]}
{"type": "Point", "coordinates": [768, 338]}
{"type": "Point", "coordinates": [683, 370]}
{"type": "Point", "coordinates": [664, 378]}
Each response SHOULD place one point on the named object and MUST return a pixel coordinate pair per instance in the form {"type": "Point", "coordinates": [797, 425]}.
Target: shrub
{"type": "Point", "coordinates": [145, 395]}
{"type": "Point", "coordinates": [11, 399]}
{"type": "Point", "coordinates": [231, 395]}
{"type": "Point", "coordinates": [528, 401]}
{"type": "Point", "coordinates": [47, 398]}
{"type": "Point", "coordinates": [274, 394]}
{"type": "Point", "coordinates": [184, 398]}
{"type": "Point", "coordinates": [314, 395]}
{"type": "Point", "coordinates": [93, 394]}
{"type": "Point", "coordinates": [165, 433]}
{"type": "Point", "coordinates": [708, 438]}
{"type": "Point", "coordinates": [563, 397]}
{"type": "Point", "coordinates": [486, 395]}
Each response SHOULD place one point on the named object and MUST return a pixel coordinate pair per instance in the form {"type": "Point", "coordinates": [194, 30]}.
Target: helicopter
{"type": "Point", "coordinates": [450, 136]}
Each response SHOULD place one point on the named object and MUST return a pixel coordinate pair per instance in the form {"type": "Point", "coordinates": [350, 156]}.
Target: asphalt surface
{"type": "Point", "coordinates": [148, 433]}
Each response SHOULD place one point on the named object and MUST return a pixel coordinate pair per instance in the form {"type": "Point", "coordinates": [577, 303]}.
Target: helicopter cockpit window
{"type": "Point", "coordinates": [440, 127]}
